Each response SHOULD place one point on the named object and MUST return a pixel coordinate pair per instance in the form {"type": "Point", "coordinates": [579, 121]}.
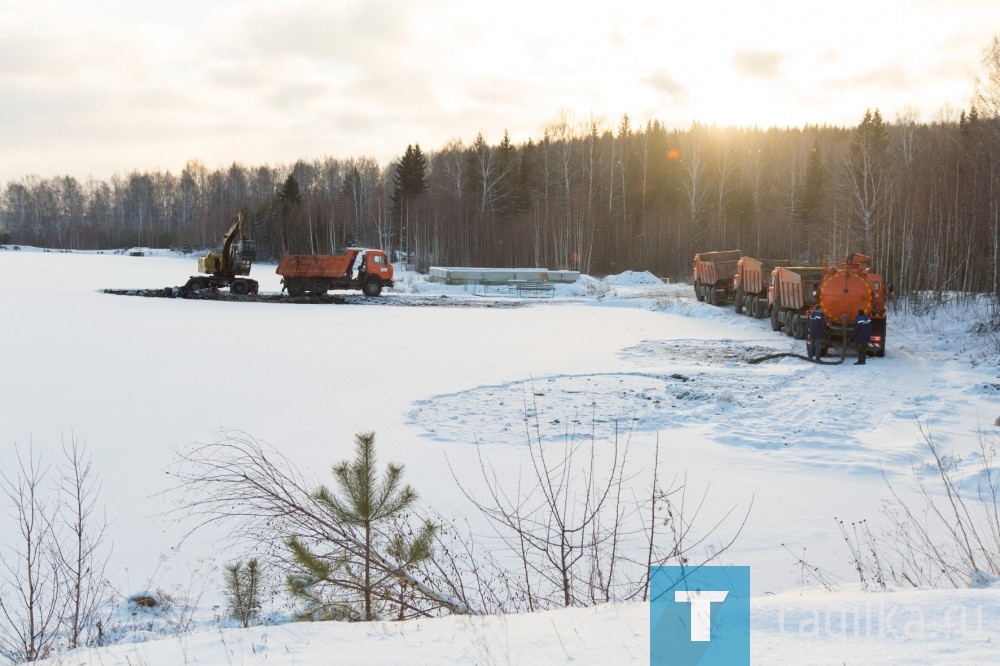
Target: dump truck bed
{"type": "Point", "coordinates": [315, 266]}
{"type": "Point", "coordinates": [714, 267]}
{"type": "Point", "coordinates": [754, 275]}
{"type": "Point", "coordinates": [795, 286]}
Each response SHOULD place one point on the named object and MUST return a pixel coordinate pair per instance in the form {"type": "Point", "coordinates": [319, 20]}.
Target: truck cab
{"type": "Point", "coordinates": [376, 262]}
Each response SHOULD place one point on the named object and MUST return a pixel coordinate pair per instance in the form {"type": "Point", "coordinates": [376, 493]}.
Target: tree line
{"type": "Point", "coordinates": [920, 198]}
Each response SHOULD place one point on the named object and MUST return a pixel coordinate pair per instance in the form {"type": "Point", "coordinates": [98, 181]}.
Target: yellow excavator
{"type": "Point", "coordinates": [228, 269]}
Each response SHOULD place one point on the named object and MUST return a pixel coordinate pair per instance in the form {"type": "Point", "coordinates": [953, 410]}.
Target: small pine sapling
{"type": "Point", "coordinates": [243, 592]}
{"type": "Point", "coordinates": [368, 565]}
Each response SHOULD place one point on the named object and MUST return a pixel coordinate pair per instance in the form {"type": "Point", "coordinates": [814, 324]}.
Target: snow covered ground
{"type": "Point", "coordinates": [803, 445]}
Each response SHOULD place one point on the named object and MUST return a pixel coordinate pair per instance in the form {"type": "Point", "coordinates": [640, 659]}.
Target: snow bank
{"type": "Point", "coordinates": [633, 279]}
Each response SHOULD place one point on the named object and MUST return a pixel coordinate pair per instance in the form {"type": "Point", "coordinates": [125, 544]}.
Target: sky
{"type": "Point", "coordinates": [96, 87]}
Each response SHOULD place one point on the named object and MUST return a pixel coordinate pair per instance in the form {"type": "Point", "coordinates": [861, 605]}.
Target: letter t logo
{"type": "Point", "coordinates": [701, 610]}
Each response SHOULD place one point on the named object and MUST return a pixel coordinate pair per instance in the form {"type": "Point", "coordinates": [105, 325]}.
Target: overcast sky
{"type": "Point", "coordinates": [91, 88]}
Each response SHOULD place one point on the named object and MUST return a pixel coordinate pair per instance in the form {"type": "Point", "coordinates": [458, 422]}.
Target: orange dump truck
{"type": "Point", "coordinates": [712, 276]}
{"type": "Point", "coordinates": [358, 268]}
{"type": "Point", "coordinates": [792, 292]}
{"type": "Point", "coordinates": [752, 278]}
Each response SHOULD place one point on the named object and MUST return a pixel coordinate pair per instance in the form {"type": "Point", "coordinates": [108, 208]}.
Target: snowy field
{"type": "Point", "coordinates": [796, 444]}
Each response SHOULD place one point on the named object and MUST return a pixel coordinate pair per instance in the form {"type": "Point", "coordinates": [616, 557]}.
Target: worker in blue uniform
{"type": "Point", "coordinates": [816, 334]}
{"type": "Point", "coordinates": [861, 336]}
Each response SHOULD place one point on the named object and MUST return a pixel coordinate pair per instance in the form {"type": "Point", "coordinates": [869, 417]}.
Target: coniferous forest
{"type": "Point", "coordinates": [601, 197]}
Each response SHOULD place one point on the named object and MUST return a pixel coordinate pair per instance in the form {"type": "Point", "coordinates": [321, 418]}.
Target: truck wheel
{"type": "Point", "coordinates": [699, 294]}
{"type": "Point", "coordinates": [880, 352]}
{"type": "Point", "coordinates": [799, 328]}
{"type": "Point", "coordinates": [372, 286]}
{"type": "Point", "coordinates": [789, 322]}
{"type": "Point", "coordinates": [295, 288]}
{"type": "Point", "coordinates": [738, 303]}
{"type": "Point", "coordinates": [239, 287]}
{"type": "Point", "coordinates": [775, 320]}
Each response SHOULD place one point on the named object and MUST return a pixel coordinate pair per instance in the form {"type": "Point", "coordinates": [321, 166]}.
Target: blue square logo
{"type": "Point", "coordinates": [699, 616]}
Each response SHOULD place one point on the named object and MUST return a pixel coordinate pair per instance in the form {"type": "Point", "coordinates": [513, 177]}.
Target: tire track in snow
{"type": "Point", "coordinates": [836, 416]}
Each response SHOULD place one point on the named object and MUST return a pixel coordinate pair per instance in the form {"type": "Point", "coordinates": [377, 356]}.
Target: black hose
{"type": "Point", "coordinates": [820, 361]}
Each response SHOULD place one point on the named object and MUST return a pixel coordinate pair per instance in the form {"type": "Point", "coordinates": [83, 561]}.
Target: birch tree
{"type": "Point", "coordinates": [864, 164]}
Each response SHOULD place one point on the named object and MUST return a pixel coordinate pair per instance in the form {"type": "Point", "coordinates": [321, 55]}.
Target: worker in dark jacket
{"type": "Point", "coordinates": [861, 336]}
{"type": "Point", "coordinates": [816, 334]}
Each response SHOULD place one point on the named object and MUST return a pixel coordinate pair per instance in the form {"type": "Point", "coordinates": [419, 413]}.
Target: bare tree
{"type": "Point", "coordinates": [694, 187]}
{"type": "Point", "coordinates": [987, 94]}
{"type": "Point", "coordinates": [952, 537]}
{"type": "Point", "coordinates": [32, 598]}
{"type": "Point", "coordinates": [578, 537]}
{"type": "Point", "coordinates": [987, 98]}
{"type": "Point", "coordinates": [865, 174]}
{"type": "Point", "coordinates": [81, 552]}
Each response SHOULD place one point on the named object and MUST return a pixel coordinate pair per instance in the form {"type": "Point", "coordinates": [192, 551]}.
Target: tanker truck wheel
{"type": "Point", "coordinates": [372, 286]}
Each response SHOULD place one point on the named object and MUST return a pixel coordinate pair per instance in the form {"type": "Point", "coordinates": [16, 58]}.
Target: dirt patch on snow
{"type": "Point", "coordinates": [407, 300]}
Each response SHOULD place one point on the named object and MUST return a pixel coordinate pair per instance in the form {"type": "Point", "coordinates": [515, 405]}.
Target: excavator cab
{"type": "Point", "coordinates": [245, 255]}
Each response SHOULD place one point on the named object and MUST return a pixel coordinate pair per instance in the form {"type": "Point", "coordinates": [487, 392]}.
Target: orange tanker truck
{"type": "Point", "coordinates": [358, 268]}
{"type": "Point", "coordinates": [840, 291]}
{"type": "Point", "coordinates": [845, 290]}
{"type": "Point", "coordinates": [712, 276]}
